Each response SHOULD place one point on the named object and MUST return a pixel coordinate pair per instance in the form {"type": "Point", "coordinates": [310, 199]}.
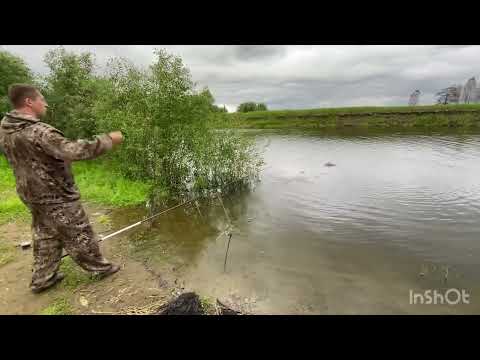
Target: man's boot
{"type": "Point", "coordinates": [54, 280]}
{"type": "Point", "coordinates": [104, 274]}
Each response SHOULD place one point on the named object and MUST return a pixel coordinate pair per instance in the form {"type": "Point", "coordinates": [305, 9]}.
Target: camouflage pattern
{"type": "Point", "coordinates": [41, 159]}
{"type": "Point", "coordinates": [63, 226]}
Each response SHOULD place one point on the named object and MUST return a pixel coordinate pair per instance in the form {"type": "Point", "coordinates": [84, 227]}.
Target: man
{"type": "Point", "coordinates": [41, 159]}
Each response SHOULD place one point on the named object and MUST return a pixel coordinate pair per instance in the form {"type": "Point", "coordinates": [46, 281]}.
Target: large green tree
{"type": "Point", "coordinates": [12, 70]}
{"type": "Point", "coordinates": [70, 88]}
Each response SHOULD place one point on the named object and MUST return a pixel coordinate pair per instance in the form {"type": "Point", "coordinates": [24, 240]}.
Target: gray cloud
{"type": "Point", "coordinates": [303, 76]}
{"type": "Point", "coordinates": [254, 52]}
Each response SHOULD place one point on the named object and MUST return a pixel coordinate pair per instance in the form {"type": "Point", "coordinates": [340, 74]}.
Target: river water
{"type": "Point", "coordinates": [396, 216]}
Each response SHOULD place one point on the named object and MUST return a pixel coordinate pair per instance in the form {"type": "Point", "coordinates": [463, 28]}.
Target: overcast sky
{"type": "Point", "coordinates": [295, 77]}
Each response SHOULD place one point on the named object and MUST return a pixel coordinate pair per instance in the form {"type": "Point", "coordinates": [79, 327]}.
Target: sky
{"type": "Point", "coordinates": [301, 76]}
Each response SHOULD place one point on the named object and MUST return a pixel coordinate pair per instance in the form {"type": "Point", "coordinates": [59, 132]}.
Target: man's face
{"type": "Point", "coordinates": [38, 105]}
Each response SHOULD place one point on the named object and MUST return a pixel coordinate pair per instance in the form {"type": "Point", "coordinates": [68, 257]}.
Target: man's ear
{"type": "Point", "coordinates": [28, 101]}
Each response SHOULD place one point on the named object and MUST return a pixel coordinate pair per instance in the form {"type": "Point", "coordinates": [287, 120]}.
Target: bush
{"type": "Point", "coordinates": [169, 140]}
{"type": "Point", "coordinates": [167, 134]}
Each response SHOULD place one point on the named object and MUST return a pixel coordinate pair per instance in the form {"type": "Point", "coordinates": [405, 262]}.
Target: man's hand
{"type": "Point", "coordinates": [117, 137]}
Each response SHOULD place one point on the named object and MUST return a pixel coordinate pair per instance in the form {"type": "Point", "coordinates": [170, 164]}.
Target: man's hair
{"type": "Point", "coordinates": [17, 93]}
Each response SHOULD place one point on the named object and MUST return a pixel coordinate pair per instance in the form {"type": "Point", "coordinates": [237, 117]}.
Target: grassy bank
{"type": "Point", "coordinates": [97, 181]}
{"type": "Point", "coordinates": [435, 116]}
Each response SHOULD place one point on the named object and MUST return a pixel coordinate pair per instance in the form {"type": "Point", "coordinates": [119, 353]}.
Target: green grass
{"type": "Point", "coordinates": [74, 275]}
{"type": "Point", "coordinates": [97, 181]}
{"type": "Point", "coordinates": [367, 117]}
{"type": "Point", "coordinates": [100, 183]}
{"type": "Point", "coordinates": [11, 207]}
{"type": "Point", "coordinates": [61, 306]}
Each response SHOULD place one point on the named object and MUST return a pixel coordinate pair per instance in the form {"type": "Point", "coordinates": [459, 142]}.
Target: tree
{"type": "Point", "coordinates": [12, 70]}
{"type": "Point", "coordinates": [247, 107]}
{"type": "Point", "coordinates": [261, 107]}
{"type": "Point", "coordinates": [414, 98]}
{"type": "Point", "coordinates": [251, 106]}
{"type": "Point", "coordinates": [163, 118]}
{"type": "Point", "coordinates": [210, 100]}
{"type": "Point", "coordinates": [70, 89]}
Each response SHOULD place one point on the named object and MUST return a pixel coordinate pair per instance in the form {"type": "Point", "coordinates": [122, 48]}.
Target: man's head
{"type": "Point", "coordinates": [26, 98]}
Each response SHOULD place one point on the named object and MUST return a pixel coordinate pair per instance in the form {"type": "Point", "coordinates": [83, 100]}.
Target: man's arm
{"type": "Point", "coordinates": [55, 144]}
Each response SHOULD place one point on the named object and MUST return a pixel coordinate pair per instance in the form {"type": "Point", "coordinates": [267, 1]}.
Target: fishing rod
{"type": "Point", "coordinates": [139, 222]}
{"type": "Point", "coordinates": [175, 207]}
{"type": "Point", "coordinates": [147, 219]}
{"type": "Point", "coordinates": [167, 210]}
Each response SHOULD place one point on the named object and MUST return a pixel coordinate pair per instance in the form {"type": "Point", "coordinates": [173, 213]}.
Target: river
{"type": "Point", "coordinates": [396, 216]}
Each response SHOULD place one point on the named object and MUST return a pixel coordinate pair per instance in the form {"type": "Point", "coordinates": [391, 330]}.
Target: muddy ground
{"type": "Point", "coordinates": [134, 290]}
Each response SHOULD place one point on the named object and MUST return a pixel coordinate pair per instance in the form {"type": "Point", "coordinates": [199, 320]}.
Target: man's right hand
{"type": "Point", "coordinates": [117, 137]}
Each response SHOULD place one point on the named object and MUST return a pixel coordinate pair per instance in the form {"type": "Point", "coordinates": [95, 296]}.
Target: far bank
{"type": "Point", "coordinates": [435, 116]}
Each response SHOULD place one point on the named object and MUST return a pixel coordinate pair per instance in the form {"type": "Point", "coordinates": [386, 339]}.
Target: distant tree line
{"type": "Point", "coordinates": [251, 106]}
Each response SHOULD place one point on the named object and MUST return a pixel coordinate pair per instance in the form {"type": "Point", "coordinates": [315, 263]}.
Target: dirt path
{"type": "Point", "coordinates": [129, 290]}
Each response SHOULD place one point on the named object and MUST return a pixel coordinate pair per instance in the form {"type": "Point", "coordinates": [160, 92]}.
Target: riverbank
{"type": "Point", "coordinates": [426, 117]}
{"type": "Point", "coordinates": [136, 289]}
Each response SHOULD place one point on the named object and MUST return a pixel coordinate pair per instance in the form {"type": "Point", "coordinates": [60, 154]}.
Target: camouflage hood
{"type": "Point", "coordinates": [15, 121]}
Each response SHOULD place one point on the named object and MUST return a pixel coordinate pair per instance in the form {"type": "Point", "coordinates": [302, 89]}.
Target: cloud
{"type": "Point", "coordinates": [256, 52]}
{"type": "Point", "coordinates": [290, 76]}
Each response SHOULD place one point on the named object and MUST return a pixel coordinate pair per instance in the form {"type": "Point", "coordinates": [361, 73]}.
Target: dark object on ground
{"type": "Point", "coordinates": [25, 245]}
{"type": "Point", "coordinates": [56, 279]}
{"type": "Point", "coordinates": [185, 304]}
{"type": "Point", "coordinates": [189, 304]}
{"type": "Point", "coordinates": [329, 164]}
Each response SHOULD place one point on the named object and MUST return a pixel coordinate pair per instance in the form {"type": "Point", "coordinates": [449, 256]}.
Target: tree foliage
{"type": "Point", "coordinates": [164, 119]}
{"type": "Point", "coordinates": [12, 70]}
{"type": "Point", "coordinates": [71, 90]}
{"type": "Point", "coordinates": [251, 106]}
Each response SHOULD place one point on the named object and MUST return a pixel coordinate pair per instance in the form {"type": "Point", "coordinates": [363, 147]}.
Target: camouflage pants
{"type": "Point", "coordinates": [63, 226]}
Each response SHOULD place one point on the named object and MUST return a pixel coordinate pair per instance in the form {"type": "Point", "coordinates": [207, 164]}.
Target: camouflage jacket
{"type": "Point", "coordinates": [41, 158]}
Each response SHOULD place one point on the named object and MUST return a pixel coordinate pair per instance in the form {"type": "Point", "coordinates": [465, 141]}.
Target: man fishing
{"type": "Point", "coordinates": [41, 159]}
